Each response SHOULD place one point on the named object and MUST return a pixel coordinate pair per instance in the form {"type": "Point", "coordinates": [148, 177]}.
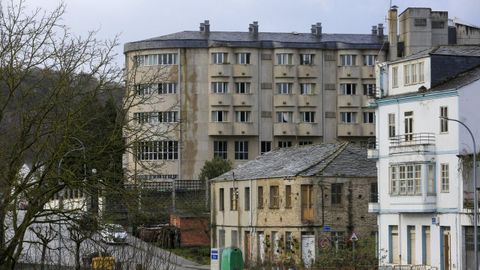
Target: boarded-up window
{"type": "Point", "coordinates": [274, 197]}
{"type": "Point", "coordinates": [234, 199]}
{"type": "Point", "coordinates": [260, 198]}
{"type": "Point", "coordinates": [288, 196]}
{"type": "Point", "coordinates": [221, 200]}
{"type": "Point", "coordinates": [307, 202]}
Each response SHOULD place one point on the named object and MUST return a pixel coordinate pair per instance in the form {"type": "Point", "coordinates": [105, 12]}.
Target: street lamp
{"type": "Point", "coordinates": [475, 202]}
{"type": "Point", "coordinates": [62, 192]}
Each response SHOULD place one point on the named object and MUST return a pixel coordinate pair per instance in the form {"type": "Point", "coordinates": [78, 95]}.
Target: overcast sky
{"type": "Point", "coordinates": [140, 19]}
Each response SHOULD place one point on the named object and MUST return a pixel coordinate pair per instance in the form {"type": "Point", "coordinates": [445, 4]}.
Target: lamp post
{"type": "Point", "coordinates": [62, 192]}
{"type": "Point", "coordinates": [475, 202]}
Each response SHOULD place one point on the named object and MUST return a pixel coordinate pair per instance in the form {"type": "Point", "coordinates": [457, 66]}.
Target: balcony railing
{"type": "Point", "coordinates": [415, 142]}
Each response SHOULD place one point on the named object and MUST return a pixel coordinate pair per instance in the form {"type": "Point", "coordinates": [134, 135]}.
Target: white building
{"type": "Point", "coordinates": [424, 162]}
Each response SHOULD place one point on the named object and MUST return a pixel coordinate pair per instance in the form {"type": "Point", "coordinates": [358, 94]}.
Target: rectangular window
{"type": "Point", "coordinates": [167, 88]}
{"type": "Point", "coordinates": [348, 117]}
{"type": "Point", "coordinates": [368, 117]}
{"type": "Point", "coordinates": [234, 238]}
{"type": "Point", "coordinates": [348, 89]}
{"type": "Point", "coordinates": [219, 87]}
{"type": "Point", "coordinates": [405, 179]}
{"type": "Point", "coordinates": [445, 177]}
{"type": "Point", "coordinates": [274, 197]}
{"type": "Point", "coordinates": [284, 117]}
{"type": "Point", "coordinates": [307, 202]}
{"type": "Point", "coordinates": [306, 59]}
{"type": "Point", "coordinates": [247, 199]}
{"type": "Point", "coordinates": [242, 116]}
{"type": "Point", "coordinates": [157, 150]}
{"type": "Point", "coordinates": [421, 75]}
{"type": "Point", "coordinates": [266, 146]}
{"type": "Point", "coordinates": [233, 199]}
{"type": "Point", "coordinates": [221, 200]}
{"type": "Point", "coordinates": [219, 58]}
{"type": "Point", "coordinates": [156, 88]}
{"type": "Point", "coordinates": [219, 116]}
{"type": "Point", "coordinates": [260, 198]}
{"type": "Point", "coordinates": [284, 88]}
{"type": "Point", "coordinates": [348, 60]}
{"type": "Point", "coordinates": [336, 193]}
{"type": "Point", "coordinates": [426, 250]}
{"type": "Point", "coordinates": [243, 58]}
{"type": "Point", "coordinates": [373, 192]}
{"type": "Point", "coordinates": [301, 143]}
{"type": "Point", "coordinates": [369, 60]}
{"type": "Point", "coordinates": [369, 89]}
{"type": "Point", "coordinates": [420, 22]}
{"type": "Point", "coordinates": [220, 149]}
{"type": "Point", "coordinates": [307, 89]}
{"type": "Point", "coordinates": [288, 196]}
{"type": "Point", "coordinates": [157, 59]}
{"type": "Point", "coordinates": [307, 117]}
{"type": "Point", "coordinates": [284, 59]}
{"type": "Point", "coordinates": [394, 77]}
{"type": "Point", "coordinates": [284, 144]}
{"type": "Point", "coordinates": [289, 244]}
{"type": "Point", "coordinates": [408, 126]}
{"type": "Point", "coordinates": [443, 121]}
{"type": "Point", "coordinates": [431, 179]}
{"type": "Point", "coordinates": [391, 125]}
{"type": "Point", "coordinates": [168, 117]}
{"type": "Point", "coordinates": [406, 74]}
{"type": "Point", "coordinates": [221, 238]}
{"type": "Point", "coordinates": [411, 245]}
{"type": "Point", "coordinates": [393, 251]}
{"type": "Point", "coordinates": [242, 88]}
{"type": "Point", "coordinates": [241, 150]}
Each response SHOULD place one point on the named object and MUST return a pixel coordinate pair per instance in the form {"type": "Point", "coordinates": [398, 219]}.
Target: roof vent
{"type": "Point", "coordinates": [317, 29]}
{"type": "Point", "coordinates": [205, 27]}
{"type": "Point", "coordinates": [253, 28]}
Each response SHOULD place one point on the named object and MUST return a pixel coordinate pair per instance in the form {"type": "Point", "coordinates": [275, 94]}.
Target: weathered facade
{"type": "Point", "coordinates": [288, 204]}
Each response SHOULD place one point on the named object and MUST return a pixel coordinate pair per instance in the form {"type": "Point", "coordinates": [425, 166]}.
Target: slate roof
{"type": "Point", "coordinates": [328, 159]}
{"type": "Point", "coordinates": [197, 39]}
{"type": "Point", "coordinates": [452, 50]}
{"type": "Point", "coordinates": [459, 80]}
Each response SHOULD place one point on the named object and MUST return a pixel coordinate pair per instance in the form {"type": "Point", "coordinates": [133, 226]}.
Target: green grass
{"type": "Point", "coordinates": [199, 255]}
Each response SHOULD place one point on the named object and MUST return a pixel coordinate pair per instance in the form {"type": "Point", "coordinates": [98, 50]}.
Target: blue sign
{"type": "Point", "coordinates": [326, 228]}
{"type": "Point", "coordinates": [214, 254]}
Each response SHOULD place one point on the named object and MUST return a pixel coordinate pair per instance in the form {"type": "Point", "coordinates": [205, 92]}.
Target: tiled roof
{"type": "Point", "coordinates": [452, 50]}
{"type": "Point", "coordinates": [197, 39]}
{"type": "Point", "coordinates": [329, 159]}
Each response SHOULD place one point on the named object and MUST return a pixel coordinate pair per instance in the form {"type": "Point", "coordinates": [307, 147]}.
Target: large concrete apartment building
{"type": "Point", "coordinates": [236, 95]}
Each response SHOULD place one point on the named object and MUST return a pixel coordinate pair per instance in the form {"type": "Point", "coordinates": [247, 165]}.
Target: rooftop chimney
{"type": "Point", "coordinates": [317, 29]}
{"type": "Point", "coordinates": [205, 27]}
{"type": "Point", "coordinates": [392, 33]}
{"type": "Point", "coordinates": [380, 30]}
{"type": "Point", "coordinates": [253, 28]}
{"type": "Point", "coordinates": [374, 30]}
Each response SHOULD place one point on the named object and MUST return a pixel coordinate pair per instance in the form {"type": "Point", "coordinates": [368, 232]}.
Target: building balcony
{"type": "Point", "coordinates": [284, 129]}
{"type": "Point", "coordinates": [220, 99]}
{"type": "Point", "coordinates": [308, 129]}
{"type": "Point", "coordinates": [245, 129]}
{"type": "Point", "coordinates": [372, 149]}
{"type": "Point", "coordinates": [308, 71]}
{"type": "Point", "coordinates": [354, 129]}
{"type": "Point", "coordinates": [243, 70]}
{"type": "Point", "coordinates": [413, 204]}
{"type": "Point", "coordinates": [222, 70]}
{"type": "Point", "coordinates": [308, 100]}
{"type": "Point", "coordinates": [284, 71]}
{"type": "Point", "coordinates": [220, 128]}
{"type": "Point", "coordinates": [419, 143]}
{"type": "Point", "coordinates": [348, 72]}
{"type": "Point", "coordinates": [243, 99]}
{"type": "Point", "coordinates": [368, 72]}
{"type": "Point", "coordinates": [284, 100]}
{"type": "Point", "coordinates": [349, 101]}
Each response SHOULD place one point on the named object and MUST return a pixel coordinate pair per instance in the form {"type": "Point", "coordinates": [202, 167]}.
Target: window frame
{"type": "Point", "coordinates": [369, 117]}
{"type": "Point", "coordinates": [220, 149]}
{"type": "Point", "coordinates": [284, 117]}
{"type": "Point", "coordinates": [336, 193]}
{"type": "Point", "coordinates": [443, 121]}
{"type": "Point", "coordinates": [445, 177]}
{"type": "Point", "coordinates": [284, 88]}
{"type": "Point", "coordinates": [219, 58]}
{"type": "Point", "coordinates": [284, 59]}
{"type": "Point", "coordinates": [307, 117]}
{"type": "Point", "coordinates": [242, 88]}
{"type": "Point", "coordinates": [307, 89]}
{"type": "Point", "coordinates": [234, 199]}
{"type": "Point", "coordinates": [274, 197]}
{"type": "Point", "coordinates": [348, 89]}
{"type": "Point", "coordinates": [348, 117]}
{"type": "Point", "coordinates": [219, 116]}
{"type": "Point", "coordinates": [243, 116]}
{"type": "Point", "coordinates": [307, 59]}
{"type": "Point", "coordinates": [243, 58]}
{"type": "Point", "coordinates": [219, 87]}
{"type": "Point", "coordinates": [221, 200]}
{"type": "Point", "coordinates": [241, 150]}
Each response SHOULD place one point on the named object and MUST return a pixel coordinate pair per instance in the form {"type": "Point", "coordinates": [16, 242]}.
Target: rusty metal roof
{"type": "Point", "coordinates": [328, 159]}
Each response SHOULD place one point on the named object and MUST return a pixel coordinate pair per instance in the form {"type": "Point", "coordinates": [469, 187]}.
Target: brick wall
{"type": "Point", "coordinates": [194, 231]}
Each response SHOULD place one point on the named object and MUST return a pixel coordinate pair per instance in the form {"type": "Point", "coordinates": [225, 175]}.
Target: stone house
{"type": "Point", "coordinates": [287, 203]}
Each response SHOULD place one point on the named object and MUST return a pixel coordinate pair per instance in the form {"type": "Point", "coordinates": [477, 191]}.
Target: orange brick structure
{"type": "Point", "coordinates": [194, 229]}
